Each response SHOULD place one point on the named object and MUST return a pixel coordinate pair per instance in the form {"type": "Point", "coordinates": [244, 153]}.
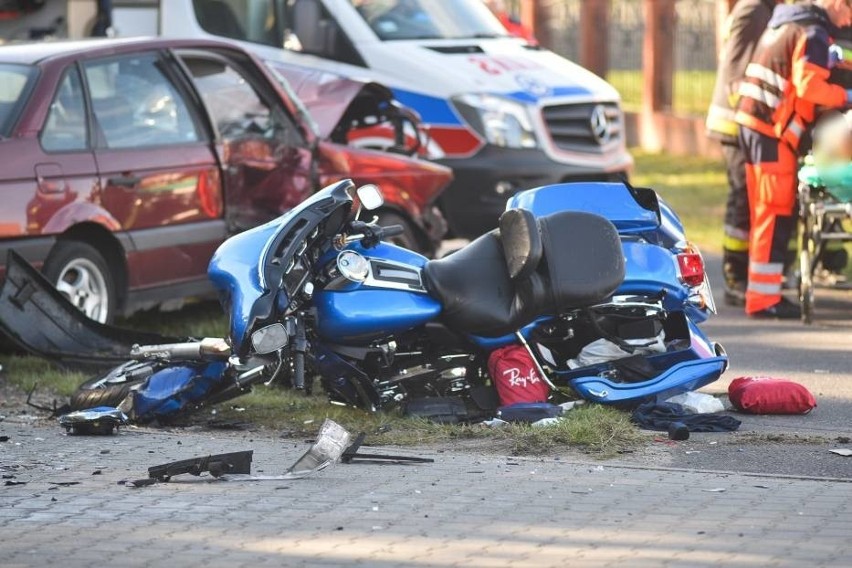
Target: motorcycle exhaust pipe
{"type": "Point", "coordinates": [720, 351]}
{"type": "Point", "coordinates": [208, 349]}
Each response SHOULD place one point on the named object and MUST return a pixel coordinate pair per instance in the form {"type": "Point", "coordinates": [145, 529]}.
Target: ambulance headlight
{"type": "Point", "coordinates": [502, 122]}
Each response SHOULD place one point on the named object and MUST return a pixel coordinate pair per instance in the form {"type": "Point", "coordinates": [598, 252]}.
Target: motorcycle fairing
{"type": "Point", "coordinates": [630, 209]}
{"type": "Point", "coordinates": [40, 320]}
{"type": "Point", "coordinates": [174, 388]}
{"type": "Point", "coordinates": [252, 285]}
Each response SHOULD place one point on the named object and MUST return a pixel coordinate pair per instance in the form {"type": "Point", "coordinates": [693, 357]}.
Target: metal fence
{"type": "Point", "coordinates": [694, 51]}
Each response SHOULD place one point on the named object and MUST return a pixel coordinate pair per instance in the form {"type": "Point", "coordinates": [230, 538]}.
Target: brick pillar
{"type": "Point", "coordinates": [658, 54]}
{"type": "Point", "coordinates": [535, 15]}
{"type": "Point", "coordinates": [594, 36]}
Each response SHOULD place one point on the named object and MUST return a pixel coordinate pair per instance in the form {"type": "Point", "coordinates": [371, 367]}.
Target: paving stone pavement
{"type": "Point", "coordinates": [464, 509]}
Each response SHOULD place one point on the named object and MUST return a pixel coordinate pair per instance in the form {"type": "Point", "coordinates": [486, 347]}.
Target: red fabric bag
{"type": "Point", "coordinates": [515, 376]}
{"type": "Point", "coordinates": [765, 395]}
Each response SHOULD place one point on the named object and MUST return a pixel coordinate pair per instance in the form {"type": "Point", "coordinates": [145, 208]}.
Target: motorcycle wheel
{"type": "Point", "coordinates": [112, 388]}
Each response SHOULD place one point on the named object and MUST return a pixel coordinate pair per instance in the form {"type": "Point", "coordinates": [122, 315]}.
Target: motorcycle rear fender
{"type": "Point", "coordinates": [630, 209]}
{"type": "Point", "coordinates": [681, 371]}
{"type": "Point", "coordinates": [682, 377]}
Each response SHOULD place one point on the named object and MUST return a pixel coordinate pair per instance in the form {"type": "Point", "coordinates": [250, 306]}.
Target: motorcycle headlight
{"type": "Point", "coordinates": [502, 122]}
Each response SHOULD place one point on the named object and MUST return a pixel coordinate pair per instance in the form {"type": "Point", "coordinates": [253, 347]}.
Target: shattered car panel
{"type": "Point", "coordinates": [41, 321]}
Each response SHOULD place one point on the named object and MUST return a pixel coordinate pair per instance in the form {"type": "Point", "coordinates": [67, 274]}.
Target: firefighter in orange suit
{"type": "Point", "coordinates": [784, 83]}
{"type": "Point", "coordinates": [743, 27]}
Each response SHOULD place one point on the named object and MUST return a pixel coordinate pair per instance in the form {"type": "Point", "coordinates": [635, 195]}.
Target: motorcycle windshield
{"type": "Point", "coordinates": [631, 210]}
{"type": "Point", "coordinates": [263, 268]}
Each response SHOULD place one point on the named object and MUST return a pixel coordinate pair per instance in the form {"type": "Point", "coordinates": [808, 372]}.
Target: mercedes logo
{"type": "Point", "coordinates": [600, 124]}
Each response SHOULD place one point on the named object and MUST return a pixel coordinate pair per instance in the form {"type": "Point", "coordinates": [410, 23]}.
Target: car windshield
{"type": "Point", "coordinates": [429, 19]}
{"type": "Point", "coordinates": [15, 83]}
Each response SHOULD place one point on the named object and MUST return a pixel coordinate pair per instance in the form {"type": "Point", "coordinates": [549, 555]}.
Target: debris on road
{"type": "Point", "coordinates": [845, 452]}
{"type": "Point", "coordinates": [102, 420]}
{"type": "Point", "coordinates": [330, 445]}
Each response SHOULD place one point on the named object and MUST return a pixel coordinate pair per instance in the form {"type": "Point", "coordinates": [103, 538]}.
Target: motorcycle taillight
{"type": "Point", "coordinates": [691, 267]}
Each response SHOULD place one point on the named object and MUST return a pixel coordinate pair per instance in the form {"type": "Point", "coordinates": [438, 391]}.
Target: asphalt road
{"type": "Point", "coordinates": [818, 356]}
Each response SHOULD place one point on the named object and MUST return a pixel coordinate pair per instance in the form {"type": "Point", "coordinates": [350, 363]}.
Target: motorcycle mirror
{"type": "Point", "coordinates": [269, 338]}
{"type": "Point", "coordinates": [370, 196]}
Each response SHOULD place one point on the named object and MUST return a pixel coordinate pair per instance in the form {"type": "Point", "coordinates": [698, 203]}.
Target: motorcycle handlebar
{"type": "Point", "coordinates": [370, 234]}
{"type": "Point", "coordinates": [392, 230]}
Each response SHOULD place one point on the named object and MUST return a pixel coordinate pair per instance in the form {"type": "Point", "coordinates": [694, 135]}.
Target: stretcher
{"type": "Point", "coordinates": [825, 211]}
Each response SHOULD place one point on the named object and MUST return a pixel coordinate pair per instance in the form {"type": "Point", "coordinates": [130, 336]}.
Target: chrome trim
{"type": "Point", "coordinates": [374, 282]}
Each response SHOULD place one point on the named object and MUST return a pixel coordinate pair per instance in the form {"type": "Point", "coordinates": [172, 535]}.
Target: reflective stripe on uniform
{"type": "Point", "coordinates": [753, 91]}
{"type": "Point", "coordinates": [734, 244]}
{"type": "Point", "coordinates": [763, 288]}
{"type": "Point", "coordinates": [721, 120]}
{"type": "Point", "coordinates": [793, 133]}
{"type": "Point", "coordinates": [766, 267]}
{"type": "Point", "coordinates": [768, 76]}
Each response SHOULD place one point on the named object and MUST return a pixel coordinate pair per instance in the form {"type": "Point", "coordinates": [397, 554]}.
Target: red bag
{"type": "Point", "coordinates": [515, 376]}
{"type": "Point", "coordinates": [765, 395]}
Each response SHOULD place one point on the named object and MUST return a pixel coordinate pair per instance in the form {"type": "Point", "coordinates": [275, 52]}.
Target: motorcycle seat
{"type": "Point", "coordinates": [479, 295]}
{"type": "Point", "coordinates": [521, 239]}
{"type": "Point", "coordinates": [475, 288]}
{"type": "Point", "coordinates": [583, 261]}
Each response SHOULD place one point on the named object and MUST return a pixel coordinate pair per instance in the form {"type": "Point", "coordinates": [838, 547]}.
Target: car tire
{"type": "Point", "coordinates": [112, 387]}
{"type": "Point", "coordinates": [408, 238]}
{"type": "Point", "coordinates": [80, 273]}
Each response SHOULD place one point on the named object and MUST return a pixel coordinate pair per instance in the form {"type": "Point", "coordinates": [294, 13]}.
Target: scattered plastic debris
{"type": "Point", "coordinates": [845, 452]}
{"type": "Point", "coordinates": [102, 420]}
{"type": "Point", "coordinates": [697, 402]}
{"type": "Point", "coordinates": [330, 445]}
{"type": "Point", "coordinates": [716, 490]}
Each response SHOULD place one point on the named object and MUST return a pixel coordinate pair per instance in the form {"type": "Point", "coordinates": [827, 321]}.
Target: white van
{"type": "Point", "coordinates": [503, 114]}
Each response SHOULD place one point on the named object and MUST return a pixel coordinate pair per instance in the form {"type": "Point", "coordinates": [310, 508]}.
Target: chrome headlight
{"type": "Point", "coordinates": [501, 121]}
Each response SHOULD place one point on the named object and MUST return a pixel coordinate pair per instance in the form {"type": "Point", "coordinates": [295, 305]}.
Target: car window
{"type": "Point", "coordinates": [237, 110]}
{"type": "Point", "coordinates": [135, 104]}
{"type": "Point", "coordinates": [15, 84]}
{"type": "Point", "coordinates": [257, 21]}
{"type": "Point", "coordinates": [66, 128]}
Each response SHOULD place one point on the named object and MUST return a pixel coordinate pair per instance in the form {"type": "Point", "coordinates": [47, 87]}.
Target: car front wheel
{"type": "Point", "coordinates": [80, 273]}
{"type": "Point", "coordinates": [407, 239]}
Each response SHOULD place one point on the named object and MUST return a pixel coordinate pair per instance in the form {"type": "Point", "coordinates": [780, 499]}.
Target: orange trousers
{"type": "Point", "coordinates": [771, 181]}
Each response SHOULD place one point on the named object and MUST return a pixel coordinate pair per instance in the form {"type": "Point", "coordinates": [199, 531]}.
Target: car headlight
{"type": "Point", "coordinates": [502, 122]}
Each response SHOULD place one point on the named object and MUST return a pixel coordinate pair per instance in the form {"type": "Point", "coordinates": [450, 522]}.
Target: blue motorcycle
{"type": "Point", "coordinates": [317, 292]}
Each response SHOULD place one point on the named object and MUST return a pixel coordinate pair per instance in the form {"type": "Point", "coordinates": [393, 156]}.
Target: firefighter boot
{"type": "Point", "coordinates": [735, 268]}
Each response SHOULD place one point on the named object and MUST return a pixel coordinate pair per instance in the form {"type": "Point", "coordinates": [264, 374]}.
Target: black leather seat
{"type": "Point", "coordinates": [583, 260]}
{"type": "Point", "coordinates": [527, 268]}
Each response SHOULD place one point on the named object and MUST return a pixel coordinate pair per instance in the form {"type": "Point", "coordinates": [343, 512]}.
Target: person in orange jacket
{"type": "Point", "coordinates": [743, 27]}
{"type": "Point", "coordinates": [512, 24]}
{"type": "Point", "coordinates": [785, 82]}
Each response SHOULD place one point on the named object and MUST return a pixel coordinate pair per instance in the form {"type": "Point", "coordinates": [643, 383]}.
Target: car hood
{"type": "Point", "coordinates": [507, 67]}
{"type": "Point", "coordinates": [326, 95]}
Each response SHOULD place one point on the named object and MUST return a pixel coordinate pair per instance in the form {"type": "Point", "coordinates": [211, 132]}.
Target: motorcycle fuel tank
{"type": "Point", "coordinates": [385, 295]}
